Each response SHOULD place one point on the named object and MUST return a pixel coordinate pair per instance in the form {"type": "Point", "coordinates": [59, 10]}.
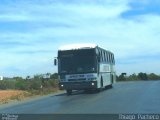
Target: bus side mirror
{"type": "Point", "coordinates": [55, 61]}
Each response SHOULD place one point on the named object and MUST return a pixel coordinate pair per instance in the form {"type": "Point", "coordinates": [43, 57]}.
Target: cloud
{"type": "Point", "coordinates": [14, 17]}
{"type": "Point", "coordinates": [148, 67]}
{"type": "Point", "coordinates": [141, 7]}
{"type": "Point", "coordinates": [32, 30]}
{"type": "Point", "coordinates": [15, 64]}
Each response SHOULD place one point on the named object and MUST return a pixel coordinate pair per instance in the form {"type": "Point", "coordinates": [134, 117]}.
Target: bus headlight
{"type": "Point", "coordinates": [61, 85]}
{"type": "Point", "coordinates": [92, 84]}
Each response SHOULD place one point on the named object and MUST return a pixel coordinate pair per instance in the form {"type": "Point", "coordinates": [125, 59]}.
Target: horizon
{"type": "Point", "coordinates": [32, 31]}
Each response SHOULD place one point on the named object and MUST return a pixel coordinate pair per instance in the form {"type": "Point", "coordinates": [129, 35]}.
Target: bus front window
{"type": "Point", "coordinates": [77, 64]}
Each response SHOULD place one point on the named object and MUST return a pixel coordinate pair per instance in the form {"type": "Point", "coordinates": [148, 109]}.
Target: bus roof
{"type": "Point", "coordinates": [77, 46]}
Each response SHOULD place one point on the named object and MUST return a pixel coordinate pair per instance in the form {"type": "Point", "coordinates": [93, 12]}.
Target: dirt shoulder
{"type": "Point", "coordinates": [10, 95]}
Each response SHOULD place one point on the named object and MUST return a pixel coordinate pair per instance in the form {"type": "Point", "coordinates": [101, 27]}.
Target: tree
{"type": "Point", "coordinates": [28, 78]}
{"type": "Point", "coordinates": [142, 76]}
{"type": "Point", "coordinates": [54, 76]}
{"type": "Point", "coordinates": [133, 77]}
{"type": "Point", "coordinates": [18, 78]}
{"type": "Point", "coordinates": [122, 77]}
{"type": "Point", "coordinates": [153, 76]}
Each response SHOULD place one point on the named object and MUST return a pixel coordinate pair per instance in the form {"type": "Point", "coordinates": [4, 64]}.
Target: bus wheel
{"type": "Point", "coordinates": [98, 90]}
{"type": "Point", "coordinates": [112, 79]}
{"type": "Point", "coordinates": [69, 92]}
{"type": "Point", "coordinates": [110, 86]}
{"type": "Point", "coordinates": [101, 82]}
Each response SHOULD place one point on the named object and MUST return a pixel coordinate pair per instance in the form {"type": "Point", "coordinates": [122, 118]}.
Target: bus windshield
{"type": "Point", "coordinates": [77, 62]}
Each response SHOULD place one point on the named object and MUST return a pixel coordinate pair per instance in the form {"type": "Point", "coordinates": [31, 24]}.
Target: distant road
{"type": "Point", "coordinates": [124, 97]}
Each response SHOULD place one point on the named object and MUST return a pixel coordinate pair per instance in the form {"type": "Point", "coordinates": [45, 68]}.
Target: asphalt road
{"type": "Point", "coordinates": [124, 97]}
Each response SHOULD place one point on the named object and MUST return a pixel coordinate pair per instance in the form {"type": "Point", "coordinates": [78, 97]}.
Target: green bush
{"type": "Point", "coordinates": [35, 84]}
{"type": "Point", "coordinates": [7, 85]}
{"type": "Point", "coordinates": [21, 85]}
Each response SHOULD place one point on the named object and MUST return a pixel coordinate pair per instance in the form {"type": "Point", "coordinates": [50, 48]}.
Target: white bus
{"type": "Point", "coordinates": [85, 67]}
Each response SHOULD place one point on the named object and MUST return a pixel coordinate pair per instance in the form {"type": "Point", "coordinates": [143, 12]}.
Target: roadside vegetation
{"type": "Point", "coordinates": [138, 77]}
{"type": "Point", "coordinates": [18, 88]}
{"type": "Point", "coordinates": [11, 95]}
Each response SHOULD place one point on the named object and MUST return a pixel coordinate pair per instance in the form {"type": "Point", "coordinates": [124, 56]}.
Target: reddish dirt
{"type": "Point", "coordinates": [6, 95]}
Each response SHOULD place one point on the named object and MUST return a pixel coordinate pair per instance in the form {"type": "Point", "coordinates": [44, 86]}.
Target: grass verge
{"type": "Point", "coordinates": [7, 96]}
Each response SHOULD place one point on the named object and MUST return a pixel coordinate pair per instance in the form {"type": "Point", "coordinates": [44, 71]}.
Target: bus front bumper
{"type": "Point", "coordinates": [78, 85]}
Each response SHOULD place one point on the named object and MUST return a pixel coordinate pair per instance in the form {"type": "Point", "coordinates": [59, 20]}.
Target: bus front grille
{"type": "Point", "coordinates": [83, 79]}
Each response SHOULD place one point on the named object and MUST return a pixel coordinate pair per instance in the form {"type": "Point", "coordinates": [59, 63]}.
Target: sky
{"type": "Point", "coordinates": [31, 31]}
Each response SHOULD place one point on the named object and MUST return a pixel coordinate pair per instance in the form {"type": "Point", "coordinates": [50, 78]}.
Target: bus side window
{"type": "Point", "coordinates": [113, 60]}
{"type": "Point", "coordinates": [105, 57]}
{"type": "Point", "coordinates": [109, 58]}
{"type": "Point", "coordinates": [98, 58]}
{"type": "Point", "coordinates": [101, 57]}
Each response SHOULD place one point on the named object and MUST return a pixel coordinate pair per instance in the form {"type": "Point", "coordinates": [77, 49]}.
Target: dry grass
{"type": "Point", "coordinates": [8, 95]}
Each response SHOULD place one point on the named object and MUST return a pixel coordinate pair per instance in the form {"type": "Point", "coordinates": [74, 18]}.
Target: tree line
{"type": "Point", "coordinates": [139, 76]}
{"type": "Point", "coordinates": [49, 81]}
